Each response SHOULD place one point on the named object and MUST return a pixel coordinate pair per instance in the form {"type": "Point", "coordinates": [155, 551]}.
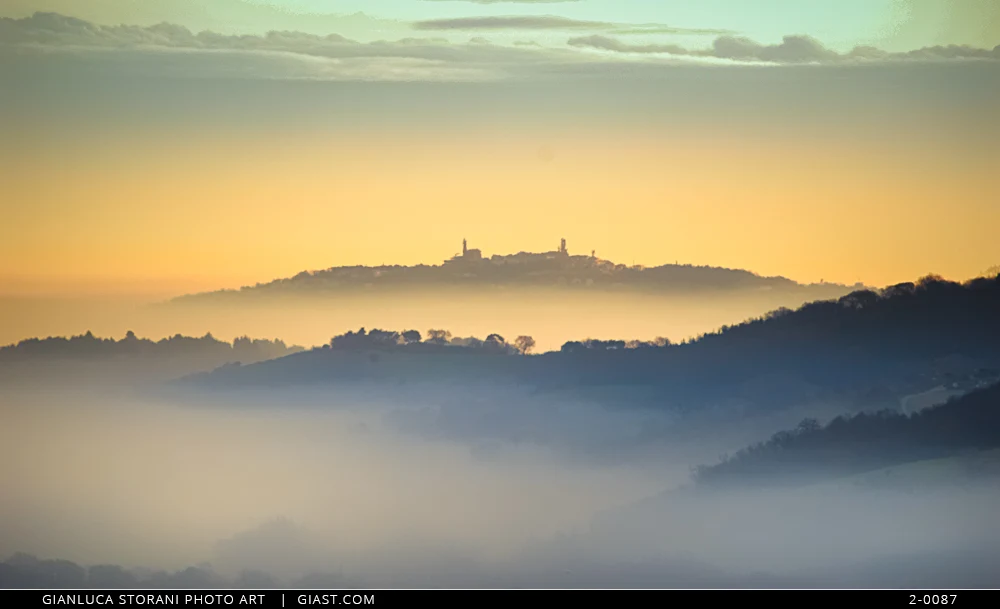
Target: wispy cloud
{"type": "Point", "coordinates": [606, 43]}
{"type": "Point", "coordinates": [514, 22]}
{"type": "Point", "coordinates": [174, 49]}
{"type": "Point", "coordinates": [506, 1]}
{"type": "Point", "coordinates": [553, 22]}
{"type": "Point", "coordinates": [659, 28]}
{"type": "Point", "coordinates": [330, 56]}
{"type": "Point", "coordinates": [792, 49]}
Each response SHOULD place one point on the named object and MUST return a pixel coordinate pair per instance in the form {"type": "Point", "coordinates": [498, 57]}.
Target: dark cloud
{"type": "Point", "coordinates": [792, 50]}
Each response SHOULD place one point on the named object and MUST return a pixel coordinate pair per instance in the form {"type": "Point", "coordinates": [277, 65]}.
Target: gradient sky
{"type": "Point", "coordinates": [860, 148]}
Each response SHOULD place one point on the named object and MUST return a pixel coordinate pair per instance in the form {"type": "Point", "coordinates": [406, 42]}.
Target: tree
{"type": "Point", "coordinates": [635, 344]}
{"type": "Point", "coordinates": [411, 336]}
{"type": "Point", "coordinates": [383, 337]}
{"type": "Point", "coordinates": [860, 299]}
{"type": "Point", "coordinates": [495, 342]}
{"type": "Point", "coordinates": [524, 344]}
{"type": "Point", "coordinates": [351, 340]}
{"type": "Point", "coordinates": [597, 344]}
{"type": "Point", "coordinates": [438, 337]}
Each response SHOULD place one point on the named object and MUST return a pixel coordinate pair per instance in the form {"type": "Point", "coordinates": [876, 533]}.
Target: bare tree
{"type": "Point", "coordinates": [524, 344]}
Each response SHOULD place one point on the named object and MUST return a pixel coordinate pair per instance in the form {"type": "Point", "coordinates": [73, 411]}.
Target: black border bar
{"type": "Point", "coordinates": [446, 597]}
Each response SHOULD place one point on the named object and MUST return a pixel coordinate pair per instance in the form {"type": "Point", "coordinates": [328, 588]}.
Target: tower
{"type": "Point", "coordinates": [465, 248]}
{"type": "Point", "coordinates": [562, 246]}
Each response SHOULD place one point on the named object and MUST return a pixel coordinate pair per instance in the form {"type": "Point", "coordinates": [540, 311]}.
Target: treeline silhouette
{"type": "Point", "coordinates": [26, 571]}
{"type": "Point", "coordinates": [907, 333]}
{"type": "Point", "coordinates": [864, 442]}
{"type": "Point", "coordinates": [594, 344]}
{"type": "Point", "coordinates": [900, 337]}
{"type": "Point", "coordinates": [413, 341]}
{"type": "Point", "coordinates": [929, 317]}
{"type": "Point", "coordinates": [89, 346]}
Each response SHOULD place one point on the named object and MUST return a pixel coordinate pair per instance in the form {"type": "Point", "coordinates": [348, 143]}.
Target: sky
{"type": "Point", "coordinates": [178, 146]}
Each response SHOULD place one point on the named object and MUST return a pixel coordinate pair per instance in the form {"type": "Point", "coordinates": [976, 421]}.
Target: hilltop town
{"type": "Point", "coordinates": [560, 255]}
{"type": "Point", "coordinates": [557, 268]}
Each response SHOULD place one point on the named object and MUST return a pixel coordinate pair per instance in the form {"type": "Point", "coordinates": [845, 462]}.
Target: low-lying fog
{"type": "Point", "coordinates": [154, 483]}
{"type": "Point", "coordinates": [290, 488]}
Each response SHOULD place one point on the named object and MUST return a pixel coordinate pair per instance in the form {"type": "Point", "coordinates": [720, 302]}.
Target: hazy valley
{"type": "Point", "coordinates": [422, 459]}
{"type": "Point", "coordinates": [499, 293]}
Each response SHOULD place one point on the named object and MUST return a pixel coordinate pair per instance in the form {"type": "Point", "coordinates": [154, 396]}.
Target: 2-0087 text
{"type": "Point", "coordinates": [933, 599]}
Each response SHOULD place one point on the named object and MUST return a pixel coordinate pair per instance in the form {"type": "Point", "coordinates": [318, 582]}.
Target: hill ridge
{"type": "Point", "coordinates": [525, 269]}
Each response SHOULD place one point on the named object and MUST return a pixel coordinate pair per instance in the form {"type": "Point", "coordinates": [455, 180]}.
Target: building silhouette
{"type": "Point", "coordinates": [472, 254]}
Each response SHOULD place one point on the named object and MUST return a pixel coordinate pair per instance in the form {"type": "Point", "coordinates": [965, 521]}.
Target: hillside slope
{"type": "Point", "coordinates": [900, 341]}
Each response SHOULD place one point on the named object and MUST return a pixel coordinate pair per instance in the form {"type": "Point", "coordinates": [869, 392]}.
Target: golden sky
{"type": "Point", "coordinates": [224, 212]}
{"type": "Point", "coordinates": [169, 167]}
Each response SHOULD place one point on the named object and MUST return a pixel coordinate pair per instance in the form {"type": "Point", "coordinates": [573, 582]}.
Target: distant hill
{"type": "Point", "coordinates": [26, 571]}
{"type": "Point", "coordinates": [901, 340]}
{"type": "Point", "coordinates": [556, 269]}
{"type": "Point", "coordinates": [88, 357]}
{"type": "Point", "coordinates": [865, 442]}
{"type": "Point", "coordinates": [90, 347]}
